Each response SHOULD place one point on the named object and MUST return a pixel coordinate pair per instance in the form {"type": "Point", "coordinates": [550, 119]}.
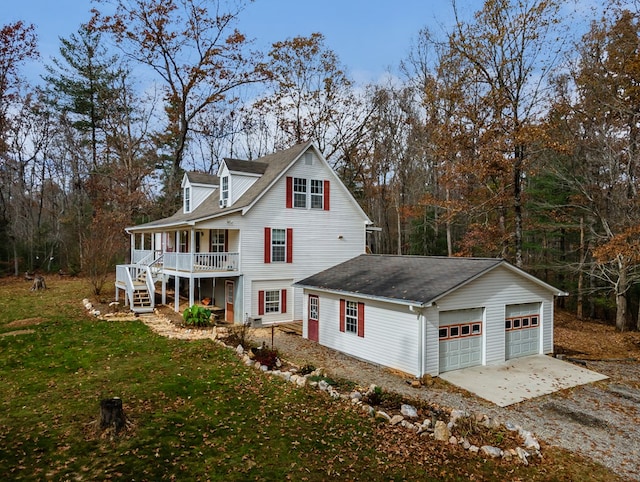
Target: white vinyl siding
{"type": "Point", "coordinates": [272, 297]}
{"type": "Point", "coordinates": [321, 239]}
{"type": "Point", "coordinates": [392, 333]}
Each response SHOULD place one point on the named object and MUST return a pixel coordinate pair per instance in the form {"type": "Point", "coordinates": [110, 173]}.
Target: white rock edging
{"type": "Point", "coordinates": [407, 419]}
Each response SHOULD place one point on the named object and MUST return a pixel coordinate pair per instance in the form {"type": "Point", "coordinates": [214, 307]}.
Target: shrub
{"type": "Point", "coordinates": [239, 335]}
{"type": "Point", "coordinates": [197, 316]}
{"type": "Point", "coordinates": [267, 356]}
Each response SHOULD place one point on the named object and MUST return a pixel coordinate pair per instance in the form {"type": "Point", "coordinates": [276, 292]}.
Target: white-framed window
{"type": "Point", "coordinates": [351, 317]}
{"type": "Point", "coordinates": [317, 194]}
{"type": "Point", "coordinates": [314, 307]}
{"type": "Point", "coordinates": [272, 301]}
{"type": "Point", "coordinates": [225, 188]}
{"type": "Point", "coordinates": [187, 199]}
{"type": "Point", "coordinates": [299, 192]}
{"type": "Point", "coordinates": [278, 245]}
{"type": "Point", "coordinates": [217, 242]}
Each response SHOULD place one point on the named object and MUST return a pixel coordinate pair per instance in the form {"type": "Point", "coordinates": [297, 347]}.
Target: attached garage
{"type": "Point", "coordinates": [429, 315]}
{"type": "Point", "coordinates": [460, 339]}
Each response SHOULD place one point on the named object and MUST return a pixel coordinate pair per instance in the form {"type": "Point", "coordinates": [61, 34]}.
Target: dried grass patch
{"type": "Point", "coordinates": [25, 322]}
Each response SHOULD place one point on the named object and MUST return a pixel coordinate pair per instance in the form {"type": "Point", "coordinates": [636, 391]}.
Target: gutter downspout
{"type": "Point", "coordinates": [422, 321]}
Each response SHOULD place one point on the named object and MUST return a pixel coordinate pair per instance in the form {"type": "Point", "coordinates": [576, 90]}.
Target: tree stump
{"type": "Point", "coordinates": [112, 414]}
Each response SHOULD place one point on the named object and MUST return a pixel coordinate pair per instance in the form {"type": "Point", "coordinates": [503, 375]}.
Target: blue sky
{"type": "Point", "coordinates": [369, 36]}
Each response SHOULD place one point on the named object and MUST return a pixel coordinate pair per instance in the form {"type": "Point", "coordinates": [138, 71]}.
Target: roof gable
{"type": "Point", "coordinates": [409, 279]}
{"type": "Point", "coordinates": [269, 170]}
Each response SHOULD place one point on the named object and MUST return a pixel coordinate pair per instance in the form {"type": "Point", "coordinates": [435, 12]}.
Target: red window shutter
{"type": "Point", "coordinates": [343, 309]}
{"type": "Point", "coordinates": [226, 240]}
{"type": "Point", "coordinates": [267, 245]}
{"type": "Point", "coordinates": [283, 301]}
{"type": "Point", "coordinates": [261, 302]}
{"type": "Point", "coordinates": [326, 192]}
{"type": "Point", "coordinates": [289, 192]}
{"type": "Point", "coordinates": [361, 319]}
{"type": "Point", "coordinates": [289, 245]}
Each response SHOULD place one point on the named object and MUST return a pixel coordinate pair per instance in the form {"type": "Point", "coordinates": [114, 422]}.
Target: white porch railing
{"type": "Point", "coordinates": [142, 256]}
{"type": "Point", "coordinates": [192, 262]}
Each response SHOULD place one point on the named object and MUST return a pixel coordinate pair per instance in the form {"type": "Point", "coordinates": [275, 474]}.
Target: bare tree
{"type": "Point", "coordinates": [194, 48]}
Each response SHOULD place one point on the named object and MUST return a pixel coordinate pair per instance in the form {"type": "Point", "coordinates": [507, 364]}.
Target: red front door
{"type": "Point", "coordinates": [314, 315]}
{"type": "Point", "coordinates": [228, 300]}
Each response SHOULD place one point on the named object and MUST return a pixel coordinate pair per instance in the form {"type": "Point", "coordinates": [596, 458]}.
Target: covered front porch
{"type": "Point", "coordinates": [193, 260]}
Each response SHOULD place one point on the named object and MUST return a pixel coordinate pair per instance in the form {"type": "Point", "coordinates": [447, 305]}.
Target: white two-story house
{"type": "Point", "coordinates": [243, 237]}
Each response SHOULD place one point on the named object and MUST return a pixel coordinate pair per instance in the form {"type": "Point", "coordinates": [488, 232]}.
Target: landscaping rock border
{"type": "Point", "coordinates": [441, 431]}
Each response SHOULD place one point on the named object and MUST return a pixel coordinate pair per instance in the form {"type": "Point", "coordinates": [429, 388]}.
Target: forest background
{"type": "Point", "coordinates": [502, 136]}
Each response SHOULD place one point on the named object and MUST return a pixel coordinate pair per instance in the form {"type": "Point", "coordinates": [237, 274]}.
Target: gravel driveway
{"type": "Point", "coordinates": [600, 421]}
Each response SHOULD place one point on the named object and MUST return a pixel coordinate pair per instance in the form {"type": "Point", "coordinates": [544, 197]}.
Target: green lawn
{"type": "Point", "coordinates": [196, 412]}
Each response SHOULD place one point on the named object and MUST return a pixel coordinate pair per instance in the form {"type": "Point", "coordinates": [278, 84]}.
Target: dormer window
{"type": "Point", "coordinates": [187, 199]}
{"type": "Point", "coordinates": [225, 188]}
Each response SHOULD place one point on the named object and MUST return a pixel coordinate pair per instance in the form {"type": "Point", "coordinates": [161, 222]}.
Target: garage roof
{"type": "Point", "coordinates": [410, 279]}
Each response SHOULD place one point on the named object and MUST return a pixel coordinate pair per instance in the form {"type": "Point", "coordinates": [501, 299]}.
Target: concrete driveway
{"type": "Point", "coordinates": [520, 379]}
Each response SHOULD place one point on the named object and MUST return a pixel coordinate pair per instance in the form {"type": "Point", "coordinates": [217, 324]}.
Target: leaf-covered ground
{"type": "Point", "coordinates": [195, 412]}
{"type": "Point", "coordinates": [592, 340]}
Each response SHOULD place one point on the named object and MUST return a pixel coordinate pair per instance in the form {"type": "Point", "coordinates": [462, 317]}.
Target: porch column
{"type": "Point", "coordinates": [177, 295]}
{"type": "Point", "coordinates": [191, 294]}
{"type": "Point", "coordinates": [132, 237]}
{"type": "Point", "coordinates": [192, 246]}
{"type": "Point", "coordinates": [164, 289]}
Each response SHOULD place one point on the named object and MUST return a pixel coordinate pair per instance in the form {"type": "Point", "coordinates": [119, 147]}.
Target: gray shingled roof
{"type": "Point", "coordinates": [203, 178]}
{"type": "Point", "coordinates": [275, 164]}
{"type": "Point", "coordinates": [251, 167]}
{"type": "Point", "coordinates": [415, 279]}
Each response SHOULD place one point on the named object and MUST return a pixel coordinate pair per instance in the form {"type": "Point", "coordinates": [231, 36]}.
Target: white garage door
{"type": "Point", "coordinates": [460, 339]}
{"type": "Point", "coordinates": [522, 330]}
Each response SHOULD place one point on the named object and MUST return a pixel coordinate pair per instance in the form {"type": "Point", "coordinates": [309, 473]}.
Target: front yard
{"type": "Point", "coordinates": [195, 411]}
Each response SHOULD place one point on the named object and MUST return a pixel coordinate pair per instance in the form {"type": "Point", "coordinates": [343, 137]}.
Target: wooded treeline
{"type": "Point", "coordinates": [502, 137]}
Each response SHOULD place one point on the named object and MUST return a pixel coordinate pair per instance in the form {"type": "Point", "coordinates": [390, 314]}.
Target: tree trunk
{"type": "Point", "coordinates": [517, 204]}
{"type": "Point", "coordinates": [621, 302]}
{"type": "Point", "coordinates": [448, 227]}
{"type": "Point", "coordinates": [580, 300]}
{"type": "Point", "coordinates": [112, 414]}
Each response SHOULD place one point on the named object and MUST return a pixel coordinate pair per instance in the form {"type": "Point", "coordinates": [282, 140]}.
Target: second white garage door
{"type": "Point", "coordinates": [522, 330]}
{"type": "Point", "coordinates": [460, 337]}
